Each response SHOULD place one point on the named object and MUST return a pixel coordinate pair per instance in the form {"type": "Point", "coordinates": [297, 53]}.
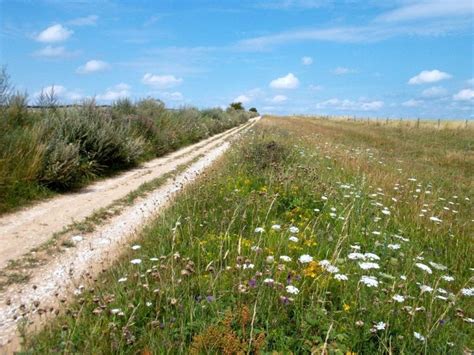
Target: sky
{"type": "Point", "coordinates": [391, 58]}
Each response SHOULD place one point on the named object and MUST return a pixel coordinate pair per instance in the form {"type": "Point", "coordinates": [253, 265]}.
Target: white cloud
{"type": "Point", "coordinates": [60, 92]}
{"type": "Point", "coordinates": [243, 99]}
{"type": "Point", "coordinates": [349, 105]}
{"type": "Point", "coordinates": [464, 95]}
{"type": "Point", "coordinates": [288, 81]}
{"type": "Point", "coordinates": [368, 33]}
{"type": "Point", "coordinates": [429, 76]}
{"type": "Point", "coordinates": [279, 98]}
{"type": "Point", "coordinates": [425, 9]}
{"type": "Point", "coordinates": [343, 71]}
{"type": "Point", "coordinates": [470, 82]}
{"type": "Point", "coordinates": [412, 103]}
{"type": "Point", "coordinates": [93, 66]}
{"type": "Point", "coordinates": [55, 33]}
{"type": "Point", "coordinates": [116, 92]}
{"type": "Point", "coordinates": [307, 60]}
{"type": "Point", "coordinates": [54, 52]}
{"type": "Point", "coordinates": [434, 91]}
{"type": "Point", "coordinates": [172, 96]}
{"type": "Point", "coordinates": [90, 20]}
{"type": "Point", "coordinates": [161, 81]}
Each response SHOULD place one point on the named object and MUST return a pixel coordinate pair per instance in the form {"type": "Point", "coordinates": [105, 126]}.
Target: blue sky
{"type": "Point", "coordinates": [400, 58]}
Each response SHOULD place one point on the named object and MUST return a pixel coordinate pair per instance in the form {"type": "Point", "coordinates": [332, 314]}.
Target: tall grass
{"type": "Point", "coordinates": [50, 149]}
{"type": "Point", "coordinates": [302, 239]}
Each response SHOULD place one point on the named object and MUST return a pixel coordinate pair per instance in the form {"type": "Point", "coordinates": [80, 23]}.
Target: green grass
{"type": "Point", "coordinates": [50, 150]}
{"type": "Point", "coordinates": [211, 281]}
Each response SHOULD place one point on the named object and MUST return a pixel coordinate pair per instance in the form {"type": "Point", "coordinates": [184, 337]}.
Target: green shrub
{"type": "Point", "coordinates": [62, 165]}
{"type": "Point", "coordinates": [55, 148]}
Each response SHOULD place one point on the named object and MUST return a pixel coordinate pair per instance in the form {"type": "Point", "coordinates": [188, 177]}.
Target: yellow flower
{"type": "Point", "coordinates": [312, 270]}
{"type": "Point", "coordinates": [309, 243]}
{"type": "Point", "coordinates": [346, 307]}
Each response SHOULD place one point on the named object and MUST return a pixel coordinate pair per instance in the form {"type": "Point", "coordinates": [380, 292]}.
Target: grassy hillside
{"type": "Point", "coordinates": [308, 236]}
{"type": "Point", "coordinates": [51, 149]}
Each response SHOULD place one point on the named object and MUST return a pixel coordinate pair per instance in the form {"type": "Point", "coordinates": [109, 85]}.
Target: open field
{"type": "Point", "coordinates": [403, 122]}
{"type": "Point", "coordinates": [309, 235]}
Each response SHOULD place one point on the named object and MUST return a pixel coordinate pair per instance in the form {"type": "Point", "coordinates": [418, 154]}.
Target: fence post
{"type": "Point", "coordinates": [465, 125]}
{"type": "Point", "coordinates": [439, 122]}
{"type": "Point", "coordinates": [418, 123]}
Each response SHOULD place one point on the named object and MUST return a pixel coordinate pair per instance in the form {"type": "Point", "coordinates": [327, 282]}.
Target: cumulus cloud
{"type": "Point", "coordinates": [55, 33]}
{"type": "Point", "coordinates": [412, 103]}
{"type": "Point", "coordinates": [288, 81]}
{"type": "Point", "coordinates": [464, 95]}
{"type": "Point", "coordinates": [343, 71]}
{"type": "Point", "coordinates": [279, 98]}
{"type": "Point", "coordinates": [429, 76]}
{"type": "Point", "coordinates": [90, 20]}
{"type": "Point", "coordinates": [243, 99]}
{"type": "Point", "coordinates": [349, 105]}
{"type": "Point", "coordinates": [93, 66]}
{"type": "Point", "coordinates": [54, 52]}
{"type": "Point", "coordinates": [434, 91]}
{"type": "Point", "coordinates": [307, 60]}
{"type": "Point", "coordinates": [161, 81]}
{"type": "Point", "coordinates": [61, 92]}
{"type": "Point", "coordinates": [116, 92]}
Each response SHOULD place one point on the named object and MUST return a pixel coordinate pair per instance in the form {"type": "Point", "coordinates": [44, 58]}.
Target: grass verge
{"type": "Point", "coordinates": [327, 245]}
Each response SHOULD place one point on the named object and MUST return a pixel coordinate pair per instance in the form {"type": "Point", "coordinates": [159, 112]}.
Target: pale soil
{"type": "Point", "coordinates": [50, 284]}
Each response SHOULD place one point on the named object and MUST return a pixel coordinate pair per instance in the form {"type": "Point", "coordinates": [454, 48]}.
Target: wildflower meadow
{"type": "Point", "coordinates": [308, 236]}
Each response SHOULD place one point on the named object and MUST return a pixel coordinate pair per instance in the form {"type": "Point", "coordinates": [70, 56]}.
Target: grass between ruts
{"type": "Point", "coordinates": [308, 236]}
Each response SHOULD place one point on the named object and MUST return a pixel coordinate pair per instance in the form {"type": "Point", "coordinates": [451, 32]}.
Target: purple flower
{"type": "Point", "coordinates": [285, 300]}
{"type": "Point", "coordinates": [252, 283]}
{"type": "Point", "coordinates": [210, 298]}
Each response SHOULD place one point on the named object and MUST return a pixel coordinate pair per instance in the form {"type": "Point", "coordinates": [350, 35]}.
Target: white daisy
{"type": "Point", "coordinates": [294, 229]}
{"type": "Point", "coordinates": [419, 336]}
{"type": "Point", "coordinates": [368, 266]}
{"type": "Point", "coordinates": [341, 277]}
{"type": "Point", "coordinates": [424, 267]}
{"type": "Point", "coordinates": [447, 278]}
{"type": "Point", "coordinates": [468, 291]}
{"type": "Point", "coordinates": [371, 256]}
{"type": "Point", "coordinates": [369, 281]}
{"type": "Point", "coordinates": [292, 289]}
{"type": "Point", "coordinates": [438, 266]}
{"type": "Point", "coordinates": [285, 258]}
{"type": "Point", "coordinates": [136, 261]}
{"type": "Point", "coordinates": [276, 227]}
{"type": "Point", "coordinates": [398, 298]}
{"type": "Point", "coordinates": [305, 258]}
{"type": "Point", "coordinates": [380, 326]}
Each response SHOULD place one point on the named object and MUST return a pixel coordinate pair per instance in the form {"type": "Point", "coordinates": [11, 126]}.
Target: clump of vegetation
{"type": "Point", "coordinates": [336, 246]}
{"type": "Point", "coordinates": [51, 148]}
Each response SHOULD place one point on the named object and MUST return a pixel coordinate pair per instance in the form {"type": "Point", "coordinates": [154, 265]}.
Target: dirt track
{"type": "Point", "coordinates": [24, 230]}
